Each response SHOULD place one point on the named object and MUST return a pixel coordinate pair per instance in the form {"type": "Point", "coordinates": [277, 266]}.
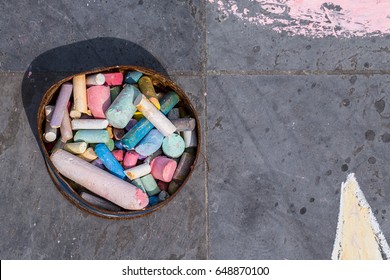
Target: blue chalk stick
{"type": "Point", "coordinates": [118, 144]}
{"type": "Point", "coordinates": [109, 161]}
{"type": "Point", "coordinates": [143, 126]}
{"type": "Point", "coordinates": [151, 143]}
{"type": "Point", "coordinates": [132, 77]}
{"type": "Point", "coordinates": [153, 200]}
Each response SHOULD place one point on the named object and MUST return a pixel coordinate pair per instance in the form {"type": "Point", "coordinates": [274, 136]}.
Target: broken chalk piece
{"type": "Point", "coordinates": [100, 202]}
{"type": "Point", "coordinates": [190, 138]}
{"type": "Point", "coordinates": [158, 119]}
{"type": "Point", "coordinates": [173, 146]}
{"type": "Point", "coordinates": [95, 80]}
{"type": "Point", "coordinates": [61, 105]}
{"type": "Point", "coordinates": [162, 185]}
{"type": "Point", "coordinates": [50, 133]}
{"type": "Point", "coordinates": [153, 200]}
{"type": "Point", "coordinates": [138, 183]}
{"type": "Point", "coordinates": [118, 155]}
{"type": "Point", "coordinates": [118, 133]}
{"type": "Point", "coordinates": [142, 127]}
{"type": "Point", "coordinates": [184, 167]}
{"type": "Point", "coordinates": [163, 168]}
{"type": "Point", "coordinates": [147, 88]}
{"type": "Point", "coordinates": [132, 77]}
{"type": "Point", "coordinates": [89, 155]}
{"type": "Point", "coordinates": [80, 93]}
{"type": "Point", "coordinates": [99, 182]}
{"type": "Point", "coordinates": [76, 148]}
{"type": "Point", "coordinates": [138, 171]}
{"type": "Point", "coordinates": [66, 128]}
{"type": "Point", "coordinates": [150, 144]}
{"type": "Point", "coordinates": [150, 185]}
{"type": "Point", "coordinates": [98, 100]}
{"type": "Point", "coordinates": [122, 109]}
{"type": "Point", "coordinates": [89, 124]}
{"type": "Point", "coordinates": [184, 124]}
{"type": "Point", "coordinates": [109, 130]}
{"type": "Point", "coordinates": [163, 195]}
{"type": "Point", "coordinates": [114, 79]}
{"type": "Point", "coordinates": [173, 187]}
{"type": "Point", "coordinates": [130, 159]}
{"type": "Point", "coordinates": [92, 136]}
{"type": "Point", "coordinates": [109, 161]}
{"type": "Point", "coordinates": [110, 144]}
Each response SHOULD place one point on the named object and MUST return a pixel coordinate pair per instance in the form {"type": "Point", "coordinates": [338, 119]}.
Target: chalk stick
{"type": "Point", "coordinates": [138, 115]}
{"type": "Point", "coordinates": [66, 128]}
{"type": "Point", "coordinates": [130, 124]}
{"type": "Point", "coordinates": [122, 109]}
{"type": "Point", "coordinates": [80, 93]}
{"type": "Point", "coordinates": [150, 144]}
{"type": "Point", "coordinates": [110, 133]}
{"type": "Point", "coordinates": [142, 127]}
{"type": "Point", "coordinates": [158, 119]}
{"type": "Point", "coordinates": [109, 161]}
{"type": "Point", "coordinates": [58, 145]}
{"type": "Point", "coordinates": [184, 167]}
{"type": "Point", "coordinates": [138, 171]}
{"type": "Point", "coordinates": [61, 105]}
{"type": "Point", "coordinates": [98, 163]}
{"type": "Point", "coordinates": [89, 124]}
{"type": "Point", "coordinates": [173, 187]}
{"type": "Point", "coordinates": [118, 154]}
{"type": "Point", "coordinates": [184, 124]}
{"type": "Point", "coordinates": [74, 114]}
{"type": "Point", "coordinates": [130, 159]}
{"type": "Point", "coordinates": [114, 79]}
{"type": "Point", "coordinates": [147, 88]}
{"type": "Point", "coordinates": [132, 77]}
{"type": "Point", "coordinates": [162, 185]}
{"type": "Point", "coordinates": [114, 92]}
{"type": "Point", "coordinates": [118, 144]}
{"type": "Point", "coordinates": [150, 185]}
{"type": "Point", "coordinates": [153, 200]}
{"type": "Point", "coordinates": [98, 181]}
{"type": "Point", "coordinates": [76, 148]}
{"type": "Point", "coordinates": [98, 100]}
{"type": "Point", "coordinates": [89, 155]}
{"type": "Point", "coordinates": [92, 136]}
{"type": "Point", "coordinates": [138, 183]}
{"type": "Point", "coordinates": [173, 146]}
{"type": "Point", "coordinates": [118, 133]}
{"type": "Point", "coordinates": [100, 202]}
{"type": "Point", "coordinates": [190, 138]}
{"type": "Point", "coordinates": [163, 168]}
{"type": "Point", "coordinates": [163, 195]}
{"type": "Point", "coordinates": [157, 153]}
{"type": "Point", "coordinates": [50, 134]}
{"type": "Point", "coordinates": [110, 144]}
{"type": "Point", "coordinates": [174, 114]}
{"type": "Point", "coordinates": [95, 80]}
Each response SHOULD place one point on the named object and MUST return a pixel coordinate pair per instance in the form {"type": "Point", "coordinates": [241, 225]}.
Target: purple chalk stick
{"type": "Point", "coordinates": [61, 105]}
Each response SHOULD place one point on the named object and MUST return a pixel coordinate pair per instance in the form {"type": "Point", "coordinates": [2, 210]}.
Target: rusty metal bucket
{"type": "Point", "coordinates": [69, 189]}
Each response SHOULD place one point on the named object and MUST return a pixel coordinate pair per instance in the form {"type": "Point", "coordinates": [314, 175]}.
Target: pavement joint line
{"type": "Point", "coordinates": [204, 74]}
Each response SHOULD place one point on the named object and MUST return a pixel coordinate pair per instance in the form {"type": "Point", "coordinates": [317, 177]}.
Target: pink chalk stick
{"type": "Point", "coordinates": [98, 100]}
{"type": "Point", "coordinates": [61, 105]}
{"type": "Point", "coordinates": [163, 185]}
{"type": "Point", "coordinates": [114, 79]}
{"type": "Point", "coordinates": [118, 155]}
{"type": "Point", "coordinates": [130, 159]}
{"type": "Point", "coordinates": [163, 168]}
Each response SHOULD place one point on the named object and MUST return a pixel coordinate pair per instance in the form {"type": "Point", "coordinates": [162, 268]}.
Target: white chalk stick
{"type": "Point", "coordinates": [95, 80]}
{"type": "Point", "coordinates": [89, 124]}
{"type": "Point", "coordinates": [138, 171]}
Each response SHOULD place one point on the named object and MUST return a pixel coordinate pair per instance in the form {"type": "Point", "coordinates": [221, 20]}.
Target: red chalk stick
{"type": "Point", "coordinates": [114, 79]}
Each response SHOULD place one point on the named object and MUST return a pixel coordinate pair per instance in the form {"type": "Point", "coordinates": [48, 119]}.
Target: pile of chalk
{"type": "Point", "coordinates": [125, 139]}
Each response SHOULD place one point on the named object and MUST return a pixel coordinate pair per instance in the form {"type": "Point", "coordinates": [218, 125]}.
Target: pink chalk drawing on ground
{"type": "Point", "coordinates": [312, 18]}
